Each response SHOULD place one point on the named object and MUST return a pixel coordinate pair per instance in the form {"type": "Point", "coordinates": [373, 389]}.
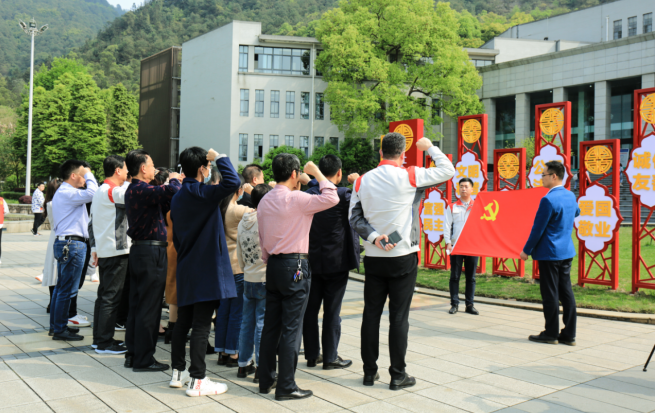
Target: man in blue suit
{"type": "Point", "coordinates": [204, 275]}
{"type": "Point", "coordinates": [550, 243]}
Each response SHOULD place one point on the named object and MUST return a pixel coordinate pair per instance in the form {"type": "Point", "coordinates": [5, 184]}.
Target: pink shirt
{"type": "Point", "coordinates": [284, 218]}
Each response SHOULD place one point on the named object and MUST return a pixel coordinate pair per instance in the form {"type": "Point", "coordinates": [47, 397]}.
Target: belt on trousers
{"type": "Point", "coordinates": [72, 238]}
{"type": "Point", "coordinates": [292, 256]}
{"type": "Point", "coordinates": [151, 242]}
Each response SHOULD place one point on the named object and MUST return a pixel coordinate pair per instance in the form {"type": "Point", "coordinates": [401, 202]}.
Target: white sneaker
{"type": "Point", "coordinates": [179, 378]}
{"type": "Point", "coordinates": [39, 278]}
{"type": "Point", "coordinates": [205, 387]}
{"type": "Point", "coordinates": [95, 279]}
{"type": "Point", "coordinates": [78, 321]}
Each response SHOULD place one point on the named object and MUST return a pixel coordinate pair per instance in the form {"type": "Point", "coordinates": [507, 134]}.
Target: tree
{"type": "Point", "coordinates": [357, 155]}
{"type": "Point", "coordinates": [48, 77]}
{"type": "Point", "coordinates": [268, 159]}
{"type": "Point", "coordinates": [123, 125]}
{"type": "Point", "coordinates": [469, 30]}
{"type": "Point", "coordinates": [51, 131]}
{"type": "Point", "coordinates": [379, 69]}
{"type": "Point", "coordinates": [322, 151]}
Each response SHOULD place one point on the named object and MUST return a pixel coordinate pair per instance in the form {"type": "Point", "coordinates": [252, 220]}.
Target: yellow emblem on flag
{"type": "Point", "coordinates": [647, 108]}
{"type": "Point", "coordinates": [406, 131]}
{"type": "Point", "coordinates": [598, 159]}
{"type": "Point", "coordinates": [492, 210]}
{"type": "Point", "coordinates": [508, 166]}
{"type": "Point", "coordinates": [471, 130]}
{"type": "Point", "coordinates": [552, 121]}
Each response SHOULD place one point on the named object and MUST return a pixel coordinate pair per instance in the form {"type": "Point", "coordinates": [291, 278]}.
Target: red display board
{"type": "Point", "coordinates": [472, 139]}
{"type": "Point", "coordinates": [552, 130]}
{"type": "Point", "coordinates": [413, 130]}
{"type": "Point", "coordinates": [509, 164]}
{"type": "Point", "coordinates": [599, 221]}
{"type": "Point", "coordinates": [637, 172]}
{"type": "Point", "coordinates": [435, 255]}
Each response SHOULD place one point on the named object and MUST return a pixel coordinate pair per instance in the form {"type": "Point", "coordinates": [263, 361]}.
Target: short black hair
{"type": "Point", "coordinates": [191, 159]}
{"type": "Point", "coordinates": [329, 165]}
{"type": "Point", "coordinates": [283, 165]}
{"type": "Point", "coordinates": [111, 163]}
{"type": "Point", "coordinates": [393, 145]}
{"type": "Point", "coordinates": [258, 193]}
{"type": "Point", "coordinates": [69, 167]}
{"type": "Point", "coordinates": [250, 172]}
{"type": "Point", "coordinates": [134, 160]}
{"type": "Point", "coordinates": [466, 180]}
{"type": "Point", "coordinates": [216, 176]}
{"type": "Point", "coordinates": [160, 177]}
{"type": "Point", "coordinates": [556, 168]}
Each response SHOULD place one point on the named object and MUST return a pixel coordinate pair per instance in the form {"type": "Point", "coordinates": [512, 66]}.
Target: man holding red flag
{"type": "Point", "coordinates": [456, 216]}
{"type": "Point", "coordinates": [551, 244]}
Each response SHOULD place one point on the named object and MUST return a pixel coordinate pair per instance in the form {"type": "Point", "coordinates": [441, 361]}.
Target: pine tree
{"type": "Point", "coordinates": [123, 125]}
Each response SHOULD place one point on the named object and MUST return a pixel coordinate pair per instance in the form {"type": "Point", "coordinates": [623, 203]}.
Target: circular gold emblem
{"type": "Point", "coordinates": [508, 166]}
{"type": "Point", "coordinates": [598, 159]}
{"type": "Point", "coordinates": [551, 121]}
{"type": "Point", "coordinates": [647, 108]}
{"type": "Point", "coordinates": [406, 131]}
{"type": "Point", "coordinates": [471, 130]}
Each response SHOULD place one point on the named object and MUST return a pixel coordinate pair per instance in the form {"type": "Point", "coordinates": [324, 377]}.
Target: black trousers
{"type": "Point", "coordinates": [112, 278]}
{"type": "Point", "coordinates": [72, 309]}
{"type": "Point", "coordinates": [286, 301]}
{"type": "Point", "coordinates": [394, 278]}
{"type": "Point", "coordinates": [329, 289]}
{"type": "Point", "coordinates": [470, 278]}
{"type": "Point", "coordinates": [556, 285]}
{"type": "Point", "coordinates": [38, 221]}
{"type": "Point", "coordinates": [124, 305]}
{"type": "Point", "coordinates": [197, 317]}
{"type": "Point", "coordinates": [147, 281]}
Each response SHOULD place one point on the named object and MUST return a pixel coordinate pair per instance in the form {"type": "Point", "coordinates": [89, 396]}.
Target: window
{"type": "Point", "coordinates": [318, 142]}
{"type": "Point", "coordinates": [282, 61]}
{"type": "Point", "coordinates": [305, 145]}
{"type": "Point", "coordinates": [647, 26]}
{"type": "Point", "coordinates": [289, 140]}
{"type": "Point", "coordinates": [243, 104]}
{"type": "Point", "coordinates": [258, 141]}
{"type": "Point", "coordinates": [335, 142]}
{"type": "Point", "coordinates": [243, 58]}
{"type": "Point", "coordinates": [505, 123]}
{"type": "Point", "coordinates": [259, 103]}
{"type": "Point", "coordinates": [617, 29]}
{"type": "Point", "coordinates": [275, 103]}
{"type": "Point", "coordinates": [243, 146]}
{"type": "Point", "coordinates": [633, 26]}
{"type": "Point", "coordinates": [305, 105]}
{"type": "Point", "coordinates": [481, 63]}
{"type": "Point", "coordinates": [318, 107]}
{"type": "Point", "coordinates": [273, 141]}
{"type": "Point", "coordinates": [289, 114]}
{"type": "Point", "coordinates": [316, 71]}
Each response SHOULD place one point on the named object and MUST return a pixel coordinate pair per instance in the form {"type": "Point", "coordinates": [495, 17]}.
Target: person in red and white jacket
{"type": "Point", "coordinates": [384, 200]}
{"type": "Point", "coordinates": [4, 209]}
{"type": "Point", "coordinates": [455, 218]}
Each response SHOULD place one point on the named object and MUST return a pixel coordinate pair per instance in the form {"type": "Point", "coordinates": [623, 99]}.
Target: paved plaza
{"type": "Point", "coordinates": [462, 363]}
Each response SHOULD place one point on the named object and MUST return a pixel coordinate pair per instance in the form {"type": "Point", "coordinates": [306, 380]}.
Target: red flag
{"type": "Point", "coordinates": [499, 223]}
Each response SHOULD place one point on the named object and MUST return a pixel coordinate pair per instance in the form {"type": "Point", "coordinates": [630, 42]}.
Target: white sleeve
{"type": "Point", "coordinates": [6, 206]}
{"type": "Point", "coordinates": [448, 221]}
{"type": "Point", "coordinates": [441, 172]}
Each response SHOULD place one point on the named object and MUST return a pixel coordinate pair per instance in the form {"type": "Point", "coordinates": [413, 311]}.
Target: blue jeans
{"type": "Point", "coordinates": [252, 322]}
{"type": "Point", "coordinates": [228, 320]}
{"type": "Point", "coordinates": [70, 267]}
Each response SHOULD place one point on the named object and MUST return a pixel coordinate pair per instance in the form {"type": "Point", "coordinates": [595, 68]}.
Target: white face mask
{"type": "Point", "coordinates": [207, 178]}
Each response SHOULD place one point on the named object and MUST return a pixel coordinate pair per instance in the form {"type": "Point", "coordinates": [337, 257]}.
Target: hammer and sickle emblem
{"type": "Point", "coordinates": [493, 211]}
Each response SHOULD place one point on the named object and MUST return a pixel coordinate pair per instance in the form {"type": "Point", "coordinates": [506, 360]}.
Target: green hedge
{"type": "Point", "coordinates": [11, 195]}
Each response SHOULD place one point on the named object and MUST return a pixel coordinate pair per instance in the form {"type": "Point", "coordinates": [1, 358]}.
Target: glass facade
{"type": "Point", "coordinates": [273, 141]}
{"type": "Point", "coordinates": [621, 108]}
{"type": "Point", "coordinates": [305, 145]}
{"type": "Point", "coordinates": [243, 102]}
{"type": "Point", "coordinates": [318, 107]}
{"type": "Point", "coordinates": [243, 146]}
{"type": "Point", "coordinates": [289, 107]}
{"type": "Point", "coordinates": [282, 61]}
{"type": "Point", "coordinates": [505, 123]}
{"type": "Point", "coordinates": [258, 143]}
{"type": "Point", "coordinates": [305, 105]}
{"type": "Point", "coordinates": [275, 103]}
{"type": "Point", "coordinates": [289, 140]}
{"type": "Point", "coordinates": [582, 99]}
{"type": "Point", "coordinates": [617, 29]}
{"type": "Point", "coordinates": [537, 98]}
{"type": "Point", "coordinates": [243, 58]}
{"type": "Point", "coordinates": [259, 103]}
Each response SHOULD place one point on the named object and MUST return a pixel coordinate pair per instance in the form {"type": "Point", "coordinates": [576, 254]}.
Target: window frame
{"type": "Point", "coordinates": [258, 146]}
{"type": "Point", "coordinates": [274, 109]}
{"type": "Point", "coordinates": [243, 102]}
{"type": "Point", "coordinates": [273, 145]}
{"type": "Point", "coordinates": [259, 103]}
{"type": "Point", "coordinates": [617, 34]}
{"type": "Point", "coordinates": [243, 147]}
{"type": "Point", "coordinates": [632, 31]}
{"type": "Point", "coordinates": [287, 138]}
{"type": "Point", "coordinates": [305, 105]}
{"type": "Point", "coordinates": [649, 29]}
{"type": "Point", "coordinates": [319, 109]}
{"type": "Point", "coordinates": [290, 104]}
{"type": "Point", "coordinates": [243, 58]}
{"type": "Point", "coordinates": [304, 140]}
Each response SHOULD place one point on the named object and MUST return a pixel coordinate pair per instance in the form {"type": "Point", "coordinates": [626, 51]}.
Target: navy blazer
{"type": "Point", "coordinates": [551, 235]}
{"type": "Point", "coordinates": [334, 246]}
{"type": "Point", "coordinates": [204, 272]}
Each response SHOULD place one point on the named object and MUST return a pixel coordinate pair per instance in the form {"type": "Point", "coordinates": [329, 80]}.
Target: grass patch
{"type": "Point", "coordinates": [524, 289]}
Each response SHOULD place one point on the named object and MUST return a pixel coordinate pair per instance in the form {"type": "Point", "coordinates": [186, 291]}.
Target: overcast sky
{"type": "Point", "coordinates": [125, 4]}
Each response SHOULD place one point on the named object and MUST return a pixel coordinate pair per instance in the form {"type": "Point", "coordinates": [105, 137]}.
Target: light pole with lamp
{"type": "Point", "coordinates": [30, 28]}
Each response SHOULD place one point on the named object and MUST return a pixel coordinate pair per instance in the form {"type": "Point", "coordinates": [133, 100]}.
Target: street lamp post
{"type": "Point", "coordinates": [30, 28]}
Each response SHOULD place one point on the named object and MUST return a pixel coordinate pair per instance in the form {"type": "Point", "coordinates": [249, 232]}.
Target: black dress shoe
{"type": "Point", "coordinates": [471, 310]}
{"type": "Point", "coordinates": [268, 389]}
{"type": "Point", "coordinates": [232, 362]}
{"type": "Point", "coordinates": [243, 372]}
{"type": "Point", "coordinates": [295, 395]}
{"type": "Point", "coordinates": [369, 380]}
{"type": "Point", "coordinates": [454, 309]}
{"type": "Point", "coordinates": [314, 362]}
{"type": "Point", "coordinates": [256, 378]}
{"type": "Point", "coordinates": [129, 362]}
{"type": "Point", "coordinates": [156, 366]}
{"type": "Point", "coordinates": [543, 338]}
{"type": "Point", "coordinates": [338, 363]}
{"type": "Point", "coordinates": [223, 360]}
{"type": "Point", "coordinates": [210, 349]}
{"type": "Point", "coordinates": [71, 329]}
{"type": "Point", "coordinates": [67, 335]}
{"type": "Point", "coordinates": [565, 340]}
{"type": "Point", "coordinates": [407, 381]}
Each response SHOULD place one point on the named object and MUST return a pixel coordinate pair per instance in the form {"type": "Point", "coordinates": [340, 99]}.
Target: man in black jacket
{"type": "Point", "coordinates": [253, 176]}
{"type": "Point", "coordinates": [334, 250]}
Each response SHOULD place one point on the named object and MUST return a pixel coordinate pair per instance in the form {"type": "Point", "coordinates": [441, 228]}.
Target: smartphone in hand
{"type": "Point", "coordinates": [394, 238]}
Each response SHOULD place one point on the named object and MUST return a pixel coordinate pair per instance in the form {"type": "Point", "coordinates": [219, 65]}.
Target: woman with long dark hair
{"type": "Point", "coordinates": [48, 277]}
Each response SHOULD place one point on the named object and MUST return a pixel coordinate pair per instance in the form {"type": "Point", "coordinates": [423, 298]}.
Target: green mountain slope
{"type": "Point", "coordinates": [71, 23]}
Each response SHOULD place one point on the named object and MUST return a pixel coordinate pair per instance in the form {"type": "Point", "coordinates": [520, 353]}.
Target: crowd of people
{"type": "Point", "coordinates": [258, 260]}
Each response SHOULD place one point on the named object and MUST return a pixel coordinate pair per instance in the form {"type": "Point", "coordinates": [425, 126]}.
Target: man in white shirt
{"type": "Point", "coordinates": [456, 216]}
{"type": "Point", "coordinates": [110, 247]}
{"type": "Point", "coordinates": [37, 207]}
